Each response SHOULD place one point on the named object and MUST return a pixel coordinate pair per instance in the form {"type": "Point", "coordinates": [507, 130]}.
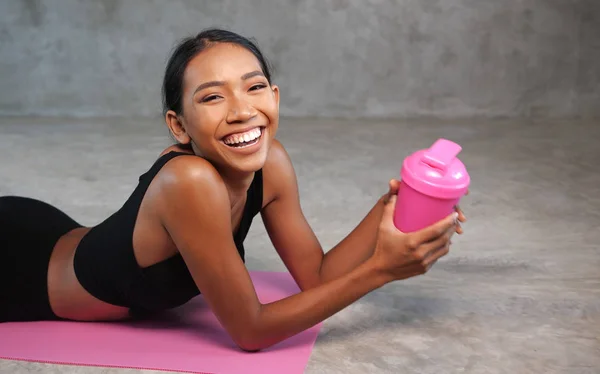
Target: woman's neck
{"type": "Point", "coordinates": [237, 183]}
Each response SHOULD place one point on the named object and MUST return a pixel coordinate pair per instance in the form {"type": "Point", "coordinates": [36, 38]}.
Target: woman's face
{"type": "Point", "coordinates": [230, 112]}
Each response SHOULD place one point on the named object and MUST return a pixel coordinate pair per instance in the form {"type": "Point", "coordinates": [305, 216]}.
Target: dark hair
{"type": "Point", "coordinates": [189, 48]}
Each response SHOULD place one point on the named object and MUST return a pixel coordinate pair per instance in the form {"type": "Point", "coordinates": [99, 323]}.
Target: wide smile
{"type": "Point", "coordinates": [245, 141]}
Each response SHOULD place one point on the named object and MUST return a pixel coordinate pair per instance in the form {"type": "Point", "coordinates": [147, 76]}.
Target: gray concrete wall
{"type": "Point", "coordinates": [409, 58]}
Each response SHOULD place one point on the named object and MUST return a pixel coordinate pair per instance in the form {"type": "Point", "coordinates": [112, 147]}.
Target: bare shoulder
{"type": "Point", "coordinates": [279, 175]}
{"type": "Point", "coordinates": [187, 177]}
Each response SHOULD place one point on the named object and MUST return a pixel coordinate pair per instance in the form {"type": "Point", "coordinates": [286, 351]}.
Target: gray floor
{"type": "Point", "coordinates": [519, 293]}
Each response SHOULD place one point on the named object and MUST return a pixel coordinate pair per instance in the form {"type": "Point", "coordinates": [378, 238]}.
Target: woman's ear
{"type": "Point", "coordinates": [177, 127]}
{"type": "Point", "coordinates": [275, 89]}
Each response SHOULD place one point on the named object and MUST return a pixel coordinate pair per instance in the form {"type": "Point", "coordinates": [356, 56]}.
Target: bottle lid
{"type": "Point", "coordinates": [437, 171]}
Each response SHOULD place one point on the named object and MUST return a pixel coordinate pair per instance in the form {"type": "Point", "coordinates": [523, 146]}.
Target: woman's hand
{"type": "Point", "coordinates": [394, 186]}
{"type": "Point", "coordinates": [405, 255]}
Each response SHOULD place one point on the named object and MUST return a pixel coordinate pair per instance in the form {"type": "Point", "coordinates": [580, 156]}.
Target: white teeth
{"type": "Point", "coordinates": [245, 137]}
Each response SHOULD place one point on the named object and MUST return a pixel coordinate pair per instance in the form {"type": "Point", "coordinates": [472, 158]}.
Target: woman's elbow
{"type": "Point", "coordinates": [255, 339]}
{"type": "Point", "coordinates": [250, 343]}
{"type": "Point", "coordinates": [254, 333]}
{"type": "Point", "coordinates": [249, 348]}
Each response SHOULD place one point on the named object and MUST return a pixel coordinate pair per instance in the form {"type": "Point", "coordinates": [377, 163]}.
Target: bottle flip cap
{"type": "Point", "coordinates": [437, 171]}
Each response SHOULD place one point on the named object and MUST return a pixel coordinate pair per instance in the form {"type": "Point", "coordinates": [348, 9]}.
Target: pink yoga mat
{"type": "Point", "coordinates": [186, 339]}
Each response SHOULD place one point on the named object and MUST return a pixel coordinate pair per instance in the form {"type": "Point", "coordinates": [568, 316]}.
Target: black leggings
{"type": "Point", "coordinates": [29, 229]}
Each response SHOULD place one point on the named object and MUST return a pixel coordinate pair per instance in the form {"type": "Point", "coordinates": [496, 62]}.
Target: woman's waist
{"type": "Point", "coordinates": [68, 298]}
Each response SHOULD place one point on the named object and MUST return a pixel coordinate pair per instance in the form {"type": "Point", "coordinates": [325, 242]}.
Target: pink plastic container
{"type": "Point", "coordinates": [432, 183]}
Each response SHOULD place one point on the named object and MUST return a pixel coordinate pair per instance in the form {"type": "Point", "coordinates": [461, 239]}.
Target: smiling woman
{"type": "Point", "coordinates": [219, 98]}
{"type": "Point", "coordinates": [181, 231]}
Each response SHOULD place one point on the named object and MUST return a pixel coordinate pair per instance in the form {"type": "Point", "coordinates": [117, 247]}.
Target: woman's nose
{"type": "Point", "coordinates": [241, 112]}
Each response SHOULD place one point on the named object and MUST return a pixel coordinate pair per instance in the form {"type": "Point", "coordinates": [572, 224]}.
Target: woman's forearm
{"type": "Point", "coordinates": [281, 319]}
{"type": "Point", "coordinates": [355, 248]}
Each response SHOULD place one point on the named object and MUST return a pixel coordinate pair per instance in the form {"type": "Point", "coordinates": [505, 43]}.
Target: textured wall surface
{"type": "Point", "coordinates": [445, 58]}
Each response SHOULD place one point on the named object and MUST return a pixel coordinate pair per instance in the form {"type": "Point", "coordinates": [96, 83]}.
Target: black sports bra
{"type": "Point", "coordinates": [106, 267]}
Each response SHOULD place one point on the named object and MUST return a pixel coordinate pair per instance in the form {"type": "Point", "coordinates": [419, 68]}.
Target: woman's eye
{"type": "Point", "coordinates": [257, 87]}
{"type": "Point", "coordinates": [210, 98]}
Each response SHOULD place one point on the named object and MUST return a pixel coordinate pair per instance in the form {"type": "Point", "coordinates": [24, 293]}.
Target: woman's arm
{"type": "Point", "coordinates": [294, 239]}
{"type": "Point", "coordinates": [195, 211]}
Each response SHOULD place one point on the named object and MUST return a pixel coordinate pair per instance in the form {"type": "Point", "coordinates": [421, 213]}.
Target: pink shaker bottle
{"type": "Point", "coordinates": [432, 182]}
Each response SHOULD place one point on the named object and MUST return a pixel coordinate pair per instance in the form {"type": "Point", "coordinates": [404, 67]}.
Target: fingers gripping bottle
{"type": "Point", "coordinates": [432, 183]}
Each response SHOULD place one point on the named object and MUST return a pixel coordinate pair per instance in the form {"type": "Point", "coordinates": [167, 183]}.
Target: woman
{"type": "Point", "coordinates": [181, 231]}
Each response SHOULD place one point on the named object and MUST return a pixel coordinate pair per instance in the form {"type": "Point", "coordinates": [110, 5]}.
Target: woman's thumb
{"type": "Point", "coordinates": [388, 209]}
